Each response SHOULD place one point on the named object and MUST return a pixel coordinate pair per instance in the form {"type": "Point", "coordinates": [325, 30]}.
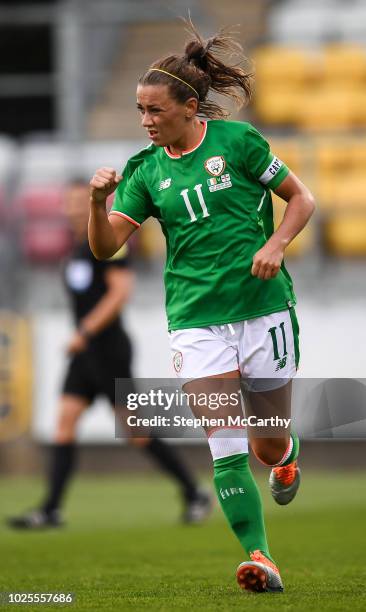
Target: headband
{"type": "Point", "coordinates": [175, 77]}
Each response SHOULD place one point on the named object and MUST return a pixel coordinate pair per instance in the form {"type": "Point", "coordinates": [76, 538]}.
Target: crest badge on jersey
{"type": "Point", "coordinates": [215, 165]}
{"type": "Point", "coordinates": [178, 361]}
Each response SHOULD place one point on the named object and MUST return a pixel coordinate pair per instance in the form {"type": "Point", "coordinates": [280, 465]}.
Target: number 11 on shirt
{"type": "Point", "coordinates": [198, 190]}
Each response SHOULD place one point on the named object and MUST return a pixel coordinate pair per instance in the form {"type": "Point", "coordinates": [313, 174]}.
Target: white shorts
{"type": "Point", "coordinates": [261, 349]}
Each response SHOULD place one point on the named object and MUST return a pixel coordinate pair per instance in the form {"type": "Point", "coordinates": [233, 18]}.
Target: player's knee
{"type": "Point", "coordinates": [269, 451]}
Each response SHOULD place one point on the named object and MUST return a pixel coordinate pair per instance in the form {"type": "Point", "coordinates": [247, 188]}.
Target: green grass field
{"type": "Point", "coordinates": [124, 549]}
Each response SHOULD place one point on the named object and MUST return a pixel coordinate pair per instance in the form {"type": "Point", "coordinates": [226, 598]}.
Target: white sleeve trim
{"type": "Point", "coordinates": [273, 168]}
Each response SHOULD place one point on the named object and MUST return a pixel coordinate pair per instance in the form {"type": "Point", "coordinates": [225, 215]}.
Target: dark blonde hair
{"type": "Point", "coordinates": [204, 68]}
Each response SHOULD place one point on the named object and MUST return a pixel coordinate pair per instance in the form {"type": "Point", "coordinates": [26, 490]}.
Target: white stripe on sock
{"type": "Point", "coordinates": [287, 453]}
{"type": "Point", "coordinates": [225, 442]}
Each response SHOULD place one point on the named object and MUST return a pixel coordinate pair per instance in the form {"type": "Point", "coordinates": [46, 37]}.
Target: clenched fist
{"type": "Point", "coordinates": [103, 183]}
{"type": "Point", "coordinates": [267, 262]}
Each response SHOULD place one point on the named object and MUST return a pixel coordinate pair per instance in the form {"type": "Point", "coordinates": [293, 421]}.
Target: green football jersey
{"type": "Point", "coordinates": [215, 208]}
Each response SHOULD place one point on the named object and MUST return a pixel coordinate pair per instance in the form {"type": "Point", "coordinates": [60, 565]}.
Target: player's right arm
{"type": "Point", "coordinates": [106, 234]}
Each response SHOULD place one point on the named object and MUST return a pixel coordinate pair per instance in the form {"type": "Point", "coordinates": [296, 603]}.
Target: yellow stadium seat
{"type": "Point", "coordinates": [356, 150]}
{"type": "Point", "coordinates": [359, 108]}
{"type": "Point", "coordinates": [328, 109]}
{"type": "Point", "coordinates": [345, 235]}
{"type": "Point", "coordinates": [282, 75]}
{"type": "Point", "coordinates": [344, 63]}
{"type": "Point", "coordinates": [346, 191]}
{"type": "Point", "coordinates": [312, 90]}
{"type": "Point", "coordinates": [289, 151]}
{"type": "Point", "coordinates": [278, 105]}
{"type": "Point", "coordinates": [339, 156]}
{"type": "Point", "coordinates": [331, 156]}
{"type": "Point", "coordinates": [278, 63]}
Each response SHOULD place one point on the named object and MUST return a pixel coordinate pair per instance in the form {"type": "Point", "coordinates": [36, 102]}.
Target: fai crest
{"type": "Point", "coordinates": [215, 165]}
{"type": "Point", "coordinates": [178, 361]}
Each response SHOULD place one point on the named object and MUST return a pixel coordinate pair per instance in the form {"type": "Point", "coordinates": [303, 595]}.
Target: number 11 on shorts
{"type": "Point", "coordinates": [273, 332]}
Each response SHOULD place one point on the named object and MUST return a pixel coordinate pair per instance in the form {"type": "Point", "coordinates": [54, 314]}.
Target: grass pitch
{"type": "Point", "coordinates": [124, 548]}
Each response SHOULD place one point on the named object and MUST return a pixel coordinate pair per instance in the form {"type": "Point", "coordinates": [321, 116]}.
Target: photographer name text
{"type": "Point", "coordinates": [183, 421]}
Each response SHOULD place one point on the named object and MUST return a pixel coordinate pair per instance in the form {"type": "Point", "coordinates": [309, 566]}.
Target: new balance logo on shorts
{"type": "Point", "coordinates": [281, 363]}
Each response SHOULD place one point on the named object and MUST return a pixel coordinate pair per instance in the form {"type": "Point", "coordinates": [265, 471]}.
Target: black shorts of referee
{"type": "Point", "coordinates": [93, 372]}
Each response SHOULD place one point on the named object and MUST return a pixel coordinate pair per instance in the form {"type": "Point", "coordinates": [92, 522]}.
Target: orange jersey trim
{"type": "Point", "coordinates": [202, 137]}
{"type": "Point", "coordinates": [116, 212]}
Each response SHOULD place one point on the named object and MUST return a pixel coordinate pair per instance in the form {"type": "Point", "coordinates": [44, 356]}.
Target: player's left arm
{"type": "Point", "coordinates": [119, 283]}
{"type": "Point", "coordinates": [300, 206]}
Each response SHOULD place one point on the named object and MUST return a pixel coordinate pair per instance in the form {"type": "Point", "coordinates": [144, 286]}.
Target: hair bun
{"type": "Point", "coordinates": [195, 52]}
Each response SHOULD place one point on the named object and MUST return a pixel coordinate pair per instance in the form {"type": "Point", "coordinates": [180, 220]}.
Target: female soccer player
{"type": "Point", "coordinates": [229, 297]}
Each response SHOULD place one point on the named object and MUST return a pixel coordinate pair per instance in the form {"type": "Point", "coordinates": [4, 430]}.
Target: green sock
{"type": "Point", "coordinates": [295, 449]}
{"type": "Point", "coordinates": [241, 502]}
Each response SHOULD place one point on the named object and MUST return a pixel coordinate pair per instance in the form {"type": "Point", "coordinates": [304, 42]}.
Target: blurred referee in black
{"type": "Point", "coordinates": [100, 351]}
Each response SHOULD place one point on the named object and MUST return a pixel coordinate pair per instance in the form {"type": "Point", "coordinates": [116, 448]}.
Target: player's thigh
{"type": "Point", "coordinates": [201, 352]}
{"type": "Point", "coordinates": [208, 365]}
{"type": "Point", "coordinates": [216, 400]}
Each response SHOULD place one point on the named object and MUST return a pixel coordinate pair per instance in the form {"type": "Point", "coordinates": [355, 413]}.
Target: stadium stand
{"type": "Point", "coordinates": [344, 63]}
{"type": "Point", "coordinates": [113, 116]}
{"type": "Point", "coordinates": [37, 204]}
{"type": "Point", "coordinates": [44, 162]}
{"type": "Point", "coordinates": [45, 241]}
{"type": "Point", "coordinates": [316, 90]}
{"type": "Point", "coordinates": [339, 173]}
{"type": "Point", "coordinates": [314, 72]}
{"type": "Point", "coordinates": [345, 234]}
{"type": "Point", "coordinates": [39, 201]}
{"type": "Point", "coordinates": [115, 153]}
{"type": "Point", "coordinates": [294, 21]}
{"type": "Point", "coordinates": [44, 234]}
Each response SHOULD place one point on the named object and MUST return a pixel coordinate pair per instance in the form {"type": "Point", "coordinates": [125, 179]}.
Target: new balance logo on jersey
{"type": "Point", "coordinates": [165, 184]}
{"type": "Point", "coordinates": [281, 364]}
